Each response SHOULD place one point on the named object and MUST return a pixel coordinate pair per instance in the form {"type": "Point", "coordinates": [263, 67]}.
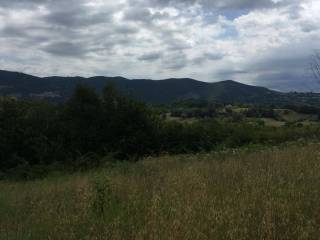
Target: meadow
{"type": "Point", "coordinates": [260, 193]}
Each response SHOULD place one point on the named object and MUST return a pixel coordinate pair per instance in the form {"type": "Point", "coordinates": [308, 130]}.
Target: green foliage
{"type": "Point", "coordinates": [77, 135]}
{"type": "Point", "coordinates": [81, 120]}
{"type": "Point", "coordinates": [102, 193]}
{"type": "Point", "coordinates": [27, 132]}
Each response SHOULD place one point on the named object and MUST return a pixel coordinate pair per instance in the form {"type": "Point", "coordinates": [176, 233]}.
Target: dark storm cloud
{"type": "Point", "coordinates": [21, 3]}
{"type": "Point", "coordinates": [13, 32]}
{"type": "Point", "coordinates": [74, 13]}
{"type": "Point", "coordinates": [66, 49]}
{"type": "Point", "coordinates": [68, 13]}
{"type": "Point", "coordinates": [150, 57]}
{"type": "Point", "coordinates": [77, 17]}
{"type": "Point", "coordinates": [24, 36]}
{"type": "Point", "coordinates": [125, 29]}
{"type": "Point", "coordinates": [175, 61]}
{"type": "Point", "coordinates": [55, 26]}
{"type": "Point", "coordinates": [207, 57]}
{"type": "Point", "coordinates": [138, 14]}
{"type": "Point", "coordinates": [144, 15]}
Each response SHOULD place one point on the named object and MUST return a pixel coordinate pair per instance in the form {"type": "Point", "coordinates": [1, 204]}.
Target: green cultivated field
{"type": "Point", "coordinates": [262, 194]}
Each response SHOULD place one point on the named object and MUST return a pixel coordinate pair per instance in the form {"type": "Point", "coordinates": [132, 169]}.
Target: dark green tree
{"type": "Point", "coordinates": [82, 121]}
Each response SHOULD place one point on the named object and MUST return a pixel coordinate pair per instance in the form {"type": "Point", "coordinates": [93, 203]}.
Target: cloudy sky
{"type": "Point", "coordinates": [261, 42]}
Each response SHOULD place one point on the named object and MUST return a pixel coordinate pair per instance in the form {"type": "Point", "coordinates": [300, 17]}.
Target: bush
{"type": "Point", "coordinates": [78, 134]}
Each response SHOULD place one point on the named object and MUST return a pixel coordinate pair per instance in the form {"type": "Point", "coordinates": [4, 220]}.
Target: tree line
{"type": "Point", "coordinates": [91, 129]}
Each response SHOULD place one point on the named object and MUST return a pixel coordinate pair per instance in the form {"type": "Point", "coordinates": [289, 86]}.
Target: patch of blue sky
{"type": "Point", "coordinates": [229, 33]}
{"type": "Point", "coordinates": [234, 14]}
{"type": "Point", "coordinates": [212, 15]}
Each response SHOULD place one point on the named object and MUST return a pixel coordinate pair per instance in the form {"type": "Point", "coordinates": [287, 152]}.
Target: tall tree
{"type": "Point", "coordinates": [83, 120]}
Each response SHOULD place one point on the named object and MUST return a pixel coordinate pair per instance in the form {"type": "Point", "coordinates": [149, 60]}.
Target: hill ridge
{"type": "Point", "coordinates": [59, 88]}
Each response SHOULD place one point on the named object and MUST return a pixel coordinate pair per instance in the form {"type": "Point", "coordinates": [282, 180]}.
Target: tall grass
{"type": "Point", "coordinates": [265, 194]}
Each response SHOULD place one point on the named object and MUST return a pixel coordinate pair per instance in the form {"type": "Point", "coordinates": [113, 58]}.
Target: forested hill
{"type": "Point", "coordinates": [162, 91]}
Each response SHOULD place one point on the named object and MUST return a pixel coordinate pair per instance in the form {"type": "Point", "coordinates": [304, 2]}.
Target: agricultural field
{"type": "Point", "coordinates": [246, 193]}
{"type": "Point", "coordinates": [270, 117]}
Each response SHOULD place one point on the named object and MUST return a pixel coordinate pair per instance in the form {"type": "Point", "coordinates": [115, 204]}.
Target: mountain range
{"type": "Point", "coordinates": [59, 89]}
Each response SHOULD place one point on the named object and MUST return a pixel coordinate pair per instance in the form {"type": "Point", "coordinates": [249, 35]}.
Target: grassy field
{"type": "Point", "coordinates": [292, 116]}
{"type": "Point", "coordinates": [238, 194]}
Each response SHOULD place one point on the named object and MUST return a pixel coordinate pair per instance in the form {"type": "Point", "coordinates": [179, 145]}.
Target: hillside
{"type": "Point", "coordinates": [161, 91]}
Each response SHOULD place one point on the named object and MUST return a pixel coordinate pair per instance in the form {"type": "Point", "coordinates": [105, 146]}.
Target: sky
{"type": "Point", "coordinates": [260, 42]}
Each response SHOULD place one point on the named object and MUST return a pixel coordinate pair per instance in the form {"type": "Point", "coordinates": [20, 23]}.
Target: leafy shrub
{"type": "Point", "coordinates": [78, 134]}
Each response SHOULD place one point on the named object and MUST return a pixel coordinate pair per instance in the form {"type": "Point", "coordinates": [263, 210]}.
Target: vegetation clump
{"type": "Point", "coordinates": [246, 193]}
{"type": "Point", "coordinates": [90, 130]}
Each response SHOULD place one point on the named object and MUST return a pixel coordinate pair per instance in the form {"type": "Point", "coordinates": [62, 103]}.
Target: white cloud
{"type": "Point", "coordinates": [245, 40]}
